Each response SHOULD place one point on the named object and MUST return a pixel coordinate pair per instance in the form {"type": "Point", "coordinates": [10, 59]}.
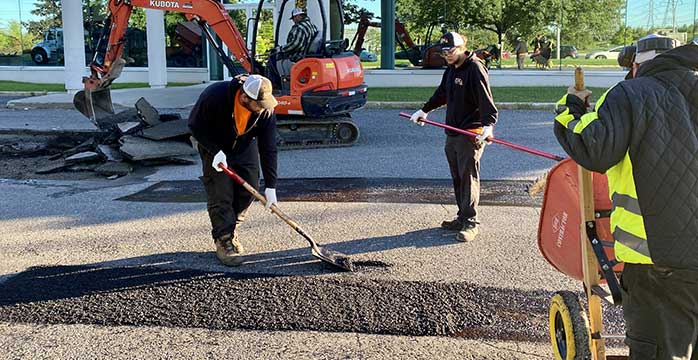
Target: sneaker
{"type": "Point", "coordinates": [454, 225]}
{"type": "Point", "coordinates": [229, 250]}
{"type": "Point", "coordinates": [467, 233]}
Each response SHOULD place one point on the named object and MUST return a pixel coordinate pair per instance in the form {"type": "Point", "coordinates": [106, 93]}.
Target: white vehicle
{"type": "Point", "coordinates": [604, 54]}
{"type": "Point", "coordinates": [49, 49]}
{"type": "Point", "coordinates": [366, 55]}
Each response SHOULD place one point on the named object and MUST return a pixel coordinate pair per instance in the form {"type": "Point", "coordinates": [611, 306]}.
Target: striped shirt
{"type": "Point", "coordinates": [299, 39]}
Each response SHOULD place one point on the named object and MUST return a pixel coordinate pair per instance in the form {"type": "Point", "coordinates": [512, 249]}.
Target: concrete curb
{"type": "Point", "coordinates": [48, 106]}
{"type": "Point", "coordinates": [369, 105]}
{"type": "Point", "coordinates": [19, 104]}
{"type": "Point", "coordinates": [416, 105]}
{"type": "Point", "coordinates": [23, 93]}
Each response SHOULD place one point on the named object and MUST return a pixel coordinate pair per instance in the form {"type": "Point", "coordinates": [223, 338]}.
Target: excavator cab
{"type": "Point", "coordinates": [317, 93]}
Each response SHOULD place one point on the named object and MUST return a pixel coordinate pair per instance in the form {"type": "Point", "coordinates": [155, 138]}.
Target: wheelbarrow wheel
{"type": "Point", "coordinates": [569, 327]}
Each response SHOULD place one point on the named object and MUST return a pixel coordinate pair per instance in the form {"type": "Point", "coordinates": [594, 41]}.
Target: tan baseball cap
{"type": "Point", "coordinates": [258, 88]}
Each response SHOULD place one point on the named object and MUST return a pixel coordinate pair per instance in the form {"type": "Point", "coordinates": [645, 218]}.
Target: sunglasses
{"type": "Point", "coordinates": [446, 53]}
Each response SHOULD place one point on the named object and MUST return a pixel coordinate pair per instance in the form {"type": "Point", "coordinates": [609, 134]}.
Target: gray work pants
{"type": "Point", "coordinates": [520, 60]}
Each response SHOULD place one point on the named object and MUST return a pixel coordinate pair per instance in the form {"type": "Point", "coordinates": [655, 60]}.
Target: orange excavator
{"type": "Point", "coordinates": [321, 89]}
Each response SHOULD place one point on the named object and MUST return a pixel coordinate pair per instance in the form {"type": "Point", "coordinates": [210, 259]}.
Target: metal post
{"type": "Point", "coordinates": [559, 37]}
{"type": "Point", "coordinates": [21, 39]}
{"type": "Point", "coordinates": [73, 45]}
{"type": "Point", "coordinates": [387, 34]}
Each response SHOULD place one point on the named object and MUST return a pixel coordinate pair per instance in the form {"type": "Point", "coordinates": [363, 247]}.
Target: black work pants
{"type": "Point", "coordinates": [463, 157]}
{"type": "Point", "coordinates": [660, 307]}
{"type": "Point", "coordinates": [227, 201]}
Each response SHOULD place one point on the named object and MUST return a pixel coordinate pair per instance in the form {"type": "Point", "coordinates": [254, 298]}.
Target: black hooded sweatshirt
{"type": "Point", "coordinates": [212, 124]}
{"type": "Point", "coordinates": [652, 120]}
{"type": "Point", "coordinates": [465, 90]}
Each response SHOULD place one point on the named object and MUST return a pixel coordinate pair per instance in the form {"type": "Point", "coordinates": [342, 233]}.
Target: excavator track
{"type": "Point", "coordinates": [326, 132]}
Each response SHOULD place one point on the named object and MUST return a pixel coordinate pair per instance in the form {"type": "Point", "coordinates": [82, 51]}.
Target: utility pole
{"type": "Point", "coordinates": [650, 14]}
{"type": "Point", "coordinates": [21, 40]}
{"type": "Point", "coordinates": [695, 21]}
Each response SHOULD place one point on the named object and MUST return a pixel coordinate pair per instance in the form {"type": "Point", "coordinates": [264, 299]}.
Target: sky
{"type": "Point", "coordinates": [639, 13]}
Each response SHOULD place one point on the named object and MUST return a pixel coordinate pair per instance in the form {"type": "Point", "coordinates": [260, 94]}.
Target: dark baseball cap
{"type": "Point", "coordinates": [450, 40]}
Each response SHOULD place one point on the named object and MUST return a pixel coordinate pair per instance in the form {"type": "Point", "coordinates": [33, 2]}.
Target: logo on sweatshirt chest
{"type": "Point", "coordinates": [458, 81]}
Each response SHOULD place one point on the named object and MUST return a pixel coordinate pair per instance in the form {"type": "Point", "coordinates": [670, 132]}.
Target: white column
{"type": "Point", "coordinates": [157, 63]}
{"type": "Point", "coordinates": [73, 45]}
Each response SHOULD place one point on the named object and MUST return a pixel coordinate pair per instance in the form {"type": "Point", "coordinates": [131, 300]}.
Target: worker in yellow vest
{"type": "Point", "coordinates": [643, 135]}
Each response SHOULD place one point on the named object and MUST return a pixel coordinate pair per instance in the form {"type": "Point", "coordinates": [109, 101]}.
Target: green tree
{"type": "Point", "coordinates": [587, 23]}
{"type": "Point", "coordinates": [14, 39]}
{"type": "Point", "coordinates": [137, 19]}
{"type": "Point", "coordinates": [49, 12]}
{"type": "Point", "coordinates": [509, 17]}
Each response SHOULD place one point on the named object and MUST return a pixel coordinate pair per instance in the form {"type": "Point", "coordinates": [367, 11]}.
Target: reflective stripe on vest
{"type": "Point", "coordinates": [627, 225]}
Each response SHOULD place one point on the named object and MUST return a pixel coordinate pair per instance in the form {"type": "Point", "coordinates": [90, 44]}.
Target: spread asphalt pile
{"type": "Point", "coordinates": [152, 296]}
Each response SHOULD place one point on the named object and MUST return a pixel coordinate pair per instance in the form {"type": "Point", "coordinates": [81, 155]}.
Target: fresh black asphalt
{"type": "Point", "coordinates": [335, 302]}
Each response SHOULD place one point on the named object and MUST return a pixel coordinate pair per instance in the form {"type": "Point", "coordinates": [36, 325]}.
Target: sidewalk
{"type": "Point", "coordinates": [167, 98]}
{"type": "Point", "coordinates": [185, 96]}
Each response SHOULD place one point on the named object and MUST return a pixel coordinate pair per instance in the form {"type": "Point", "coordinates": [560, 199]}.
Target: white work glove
{"type": "Point", "coordinates": [419, 114]}
{"type": "Point", "coordinates": [270, 194]}
{"type": "Point", "coordinates": [487, 131]}
{"type": "Point", "coordinates": [219, 158]}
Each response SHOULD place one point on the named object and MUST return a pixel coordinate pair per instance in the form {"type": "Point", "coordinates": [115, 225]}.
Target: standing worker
{"type": "Point", "coordinates": [642, 134]}
{"type": "Point", "coordinates": [234, 124]}
{"type": "Point", "coordinates": [465, 91]}
{"type": "Point", "coordinates": [521, 51]}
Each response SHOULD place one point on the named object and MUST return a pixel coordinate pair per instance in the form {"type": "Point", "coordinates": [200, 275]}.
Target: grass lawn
{"type": "Point", "coordinates": [567, 64]}
{"type": "Point", "coordinates": [24, 86]}
{"type": "Point", "coordinates": [500, 94]}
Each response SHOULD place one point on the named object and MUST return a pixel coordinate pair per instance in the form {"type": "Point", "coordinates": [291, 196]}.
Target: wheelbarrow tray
{"type": "Point", "coordinates": [560, 220]}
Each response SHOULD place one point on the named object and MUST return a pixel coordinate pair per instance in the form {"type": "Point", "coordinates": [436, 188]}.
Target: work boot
{"type": "Point", "coordinates": [468, 232]}
{"type": "Point", "coordinates": [453, 225]}
{"type": "Point", "coordinates": [229, 250]}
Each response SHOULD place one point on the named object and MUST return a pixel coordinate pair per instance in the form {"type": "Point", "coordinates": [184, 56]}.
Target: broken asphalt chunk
{"type": "Point", "coordinates": [167, 130]}
{"type": "Point", "coordinates": [136, 148]}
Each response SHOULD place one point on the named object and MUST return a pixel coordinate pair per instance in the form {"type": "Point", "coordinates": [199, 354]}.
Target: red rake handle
{"type": "Point", "coordinates": [274, 208]}
{"type": "Point", "coordinates": [496, 141]}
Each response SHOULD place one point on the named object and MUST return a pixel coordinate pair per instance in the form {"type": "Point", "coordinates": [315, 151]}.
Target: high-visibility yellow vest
{"type": "Point", "coordinates": [627, 224]}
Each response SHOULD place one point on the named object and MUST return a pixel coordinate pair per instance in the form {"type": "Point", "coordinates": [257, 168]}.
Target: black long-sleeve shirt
{"type": "Point", "coordinates": [465, 90]}
{"type": "Point", "coordinates": [213, 126]}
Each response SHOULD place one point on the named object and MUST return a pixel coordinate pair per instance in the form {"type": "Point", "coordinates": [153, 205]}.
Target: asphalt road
{"type": "Point", "coordinates": [392, 146]}
{"type": "Point", "coordinates": [85, 276]}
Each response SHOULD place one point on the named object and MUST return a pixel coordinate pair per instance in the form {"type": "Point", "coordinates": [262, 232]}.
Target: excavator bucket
{"type": "Point", "coordinates": [94, 104]}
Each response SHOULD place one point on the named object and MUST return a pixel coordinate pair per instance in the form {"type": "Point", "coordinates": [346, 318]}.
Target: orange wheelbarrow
{"type": "Point", "coordinates": [574, 237]}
